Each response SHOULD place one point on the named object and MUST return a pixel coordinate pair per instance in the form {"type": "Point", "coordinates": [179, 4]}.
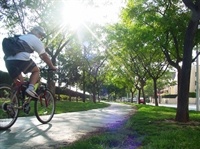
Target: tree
{"type": "Point", "coordinates": [95, 74]}
{"type": "Point", "coordinates": [17, 14]}
{"type": "Point", "coordinates": [170, 37]}
{"type": "Point", "coordinates": [155, 65]}
{"type": "Point", "coordinates": [69, 65]}
{"type": "Point", "coordinates": [182, 114]}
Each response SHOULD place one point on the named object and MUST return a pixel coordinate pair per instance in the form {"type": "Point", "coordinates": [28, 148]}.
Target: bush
{"type": "Point", "coordinates": [170, 96]}
{"type": "Point", "coordinates": [64, 97]}
{"type": "Point", "coordinates": [191, 95]}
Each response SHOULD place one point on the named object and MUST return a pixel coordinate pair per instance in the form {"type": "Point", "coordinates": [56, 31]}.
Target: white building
{"type": "Point", "coordinates": [173, 89]}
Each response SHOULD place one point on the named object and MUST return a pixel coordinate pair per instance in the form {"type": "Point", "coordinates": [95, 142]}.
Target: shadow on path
{"type": "Point", "coordinates": [64, 128]}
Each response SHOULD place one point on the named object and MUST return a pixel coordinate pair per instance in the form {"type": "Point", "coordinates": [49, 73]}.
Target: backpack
{"type": "Point", "coordinates": [13, 45]}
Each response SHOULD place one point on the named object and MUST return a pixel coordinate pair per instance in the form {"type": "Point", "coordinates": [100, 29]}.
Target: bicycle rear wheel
{"type": "Point", "coordinates": [45, 106]}
{"type": "Point", "coordinates": [9, 104]}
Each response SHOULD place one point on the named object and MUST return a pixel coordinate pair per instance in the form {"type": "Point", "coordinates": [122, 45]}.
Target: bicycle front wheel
{"type": "Point", "coordinates": [45, 106]}
{"type": "Point", "coordinates": [9, 104]}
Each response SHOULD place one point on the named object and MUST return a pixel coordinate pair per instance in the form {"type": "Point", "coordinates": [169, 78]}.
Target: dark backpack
{"type": "Point", "coordinates": [13, 45]}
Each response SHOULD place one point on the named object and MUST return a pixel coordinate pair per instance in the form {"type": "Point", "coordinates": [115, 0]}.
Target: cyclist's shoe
{"type": "Point", "coordinates": [31, 93]}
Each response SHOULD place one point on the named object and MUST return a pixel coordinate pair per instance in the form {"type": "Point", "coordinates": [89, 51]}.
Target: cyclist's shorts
{"type": "Point", "coordinates": [16, 67]}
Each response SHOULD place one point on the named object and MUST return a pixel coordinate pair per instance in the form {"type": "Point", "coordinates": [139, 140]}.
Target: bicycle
{"type": "Point", "coordinates": [14, 98]}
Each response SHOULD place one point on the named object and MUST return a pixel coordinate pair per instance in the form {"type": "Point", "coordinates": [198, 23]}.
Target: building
{"type": "Point", "coordinates": [172, 90]}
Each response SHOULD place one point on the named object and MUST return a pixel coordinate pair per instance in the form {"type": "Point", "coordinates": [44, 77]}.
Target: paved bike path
{"type": "Point", "coordinates": [29, 133]}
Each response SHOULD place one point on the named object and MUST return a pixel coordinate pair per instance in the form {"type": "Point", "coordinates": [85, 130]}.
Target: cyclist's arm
{"type": "Point", "coordinates": [47, 60]}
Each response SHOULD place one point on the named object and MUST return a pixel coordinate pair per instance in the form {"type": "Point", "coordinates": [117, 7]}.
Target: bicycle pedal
{"type": "Point", "coordinates": [11, 112]}
{"type": "Point", "coordinates": [26, 108]}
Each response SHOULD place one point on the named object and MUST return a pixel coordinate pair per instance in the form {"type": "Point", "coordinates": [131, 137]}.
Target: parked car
{"type": "Point", "coordinates": [124, 99]}
{"type": "Point", "coordinates": [141, 100]}
{"type": "Point", "coordinates": [134, 99]}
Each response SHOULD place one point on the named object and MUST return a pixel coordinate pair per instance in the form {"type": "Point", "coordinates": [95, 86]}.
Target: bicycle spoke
{"type": "Point", "coordinates": [45, 107]}
{"type": "Point", "coordinates": [8, 110]}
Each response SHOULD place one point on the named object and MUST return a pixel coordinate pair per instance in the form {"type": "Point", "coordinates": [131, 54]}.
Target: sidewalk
{"type": "Point", "coordinates": [190, 106]}
{"type": "Point", "coordinates": [64, 128]}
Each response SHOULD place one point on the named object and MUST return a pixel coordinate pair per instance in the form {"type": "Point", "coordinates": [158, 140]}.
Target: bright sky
{"type": "Point", "coordinates": [103, 12]}
{"type": "Point", "coordinates": [2, 64]}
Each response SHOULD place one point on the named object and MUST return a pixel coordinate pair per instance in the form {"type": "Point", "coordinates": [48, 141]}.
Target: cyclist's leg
{"type": "Point", "coordinates": [35, 75]}
{"type": "Point", "coordinates": [19, 78]}
{"type": "Point", "coordinates": [13, 67]}
{"type": "Point", "coordinates": [34, 70]}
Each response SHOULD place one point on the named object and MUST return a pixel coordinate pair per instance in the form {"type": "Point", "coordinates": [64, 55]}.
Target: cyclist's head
{"type": "Point", "coordinates": [38, 31]}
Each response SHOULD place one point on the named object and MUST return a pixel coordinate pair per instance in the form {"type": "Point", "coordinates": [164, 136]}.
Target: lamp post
{"type": "Point", "coordinates": [85, 46]}
{"type": "Point", "coordinates": [197, 80]}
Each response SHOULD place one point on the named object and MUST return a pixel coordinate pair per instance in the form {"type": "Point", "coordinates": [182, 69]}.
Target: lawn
{"type": "Point", "coordinates": [65, 106]}
{"type": "Point", "coordinates": [158, 130]}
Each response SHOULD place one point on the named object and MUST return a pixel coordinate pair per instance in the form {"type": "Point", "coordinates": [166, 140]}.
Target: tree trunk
{"type": "Point", "coordinates": [155, 92]}
{"type": "Point", "coordinates": [139, 96]}
{"type": "Point", "coordinates": [83, 84]}
{"type": "Point", "coordinates": [94, 93]}
{"type": "Point", "coordinates": [94, 97]}
{"type": "Point", "coordinates": [132, 93]}
{"type": "Point", "coordinates": [182, 114]}
{"type": "Point", "coordinates": [143, 94]}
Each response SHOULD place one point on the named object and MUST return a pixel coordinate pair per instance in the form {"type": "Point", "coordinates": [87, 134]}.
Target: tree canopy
{"type": "Point", "coordinates": [151, 38]}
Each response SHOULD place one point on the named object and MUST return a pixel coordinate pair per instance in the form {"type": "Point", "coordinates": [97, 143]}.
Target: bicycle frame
{"type": "Point", "coordinates": [14, 99]}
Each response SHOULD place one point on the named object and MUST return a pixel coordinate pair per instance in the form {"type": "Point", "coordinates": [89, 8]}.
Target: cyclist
{"type": "Point", "coordinates": [21, 62]}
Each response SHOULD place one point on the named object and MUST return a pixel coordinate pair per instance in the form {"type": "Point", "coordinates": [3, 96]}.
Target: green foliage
{"type": "Point", "coordinates": [64, 97]}
{"type": "Point", "coordinates": [102, 141]}
{"type": "Point", "coordinates": [138, 40]}
{"type": "Point", "coordinates": [157, 128]}
{"type": "Point", "coordinates": [192, 94]}
{"type": "Point", "coordinates": [69, 65]}
{"type": "Point", "coordinates": [66, 106]}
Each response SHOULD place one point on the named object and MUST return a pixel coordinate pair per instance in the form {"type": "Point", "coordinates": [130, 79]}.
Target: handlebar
{"type": "Point", "coordinates": [47, 69]}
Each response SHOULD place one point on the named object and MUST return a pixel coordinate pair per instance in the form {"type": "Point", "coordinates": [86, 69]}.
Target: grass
{"type": "Point", "coordinates": [66, 106]}
{"type": "Point", "coordinates": [149, 128]}
{"type": "Point", "coordinates": [159, 130]}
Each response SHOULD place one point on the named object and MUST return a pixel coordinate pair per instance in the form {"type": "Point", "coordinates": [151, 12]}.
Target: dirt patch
{"type": "Point", "coordinates": [190, 123]}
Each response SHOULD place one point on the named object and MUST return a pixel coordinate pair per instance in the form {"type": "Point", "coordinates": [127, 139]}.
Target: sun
{"type": "Point", "coordinates": [76, 12]}
{"type": "Point", "coordinates": [73, 13]}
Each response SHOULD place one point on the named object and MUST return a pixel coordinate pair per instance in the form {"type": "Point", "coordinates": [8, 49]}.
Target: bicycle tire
{"type": "Point", "coordinates": [8, 107]}
{"type": "Point", "coordinates": [44, 106]}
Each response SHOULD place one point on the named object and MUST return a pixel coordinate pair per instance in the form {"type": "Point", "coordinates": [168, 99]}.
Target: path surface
{"type": "Point", "coordinates": [29, 133]}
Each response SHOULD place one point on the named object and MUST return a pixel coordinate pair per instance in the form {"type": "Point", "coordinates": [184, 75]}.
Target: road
{"type": "Point", "coordinates": [190, 106]}
{"type": "Point", "coordinates": [28, 132]}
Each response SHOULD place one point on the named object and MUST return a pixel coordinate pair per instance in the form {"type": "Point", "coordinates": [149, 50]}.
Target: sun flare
{"type": "Point", "coordinates": [72, 13]}
{"type": "Point", "coordinates": [75, 12]}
